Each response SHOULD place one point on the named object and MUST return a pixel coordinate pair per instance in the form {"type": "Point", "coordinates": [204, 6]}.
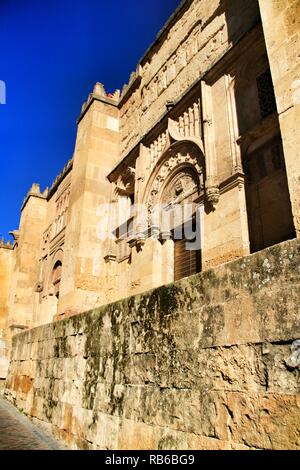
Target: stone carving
{"type": "Point", "coordinates": [126, 183]}
{"type": "Point", "coordinates": [45, 245]}
{"type": "Point", "coordinates": [39, 287]}
{"type": "Point", "coordinates": [177, 61]}
{"type": "Point", "coordinates": [187, 126]}
{"type": "Point", "coordinates": [213, 196]}
{"type": "Point", "coordinates": [179, 70]}
{"type": "Point", "coordinates": [62, 205]}
{"type": "Point", "coordinates": [182, 159]}
{"type": "Point", "coordinates": [183, 185]}
{"type": "Point", "coordinates": [157, 148]}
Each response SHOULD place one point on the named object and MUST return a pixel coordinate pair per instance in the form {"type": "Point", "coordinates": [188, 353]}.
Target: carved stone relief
{"type": "Point", "coordinates": [126, 182]}
{"type": "Point", "coordinates": [187, 126]}
{"type": "Point", "coordinates": [183, 182]}
{"type": "Point", "coordinates": [181, 188]}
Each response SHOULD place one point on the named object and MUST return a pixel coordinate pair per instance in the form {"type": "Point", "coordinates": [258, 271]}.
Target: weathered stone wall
{"type": "Point", "coordinates": [26, 268]}
{"type": "Point", "coordinates": [52, 246]}
{"type": "Point", "coordinates": [6, 262]}
{"type": "Point", "coordinates": [83, 283]}
{"type": "Point", "coordinates": [6, 266]}
{"type": "Point", "coordinates": [198, 364]}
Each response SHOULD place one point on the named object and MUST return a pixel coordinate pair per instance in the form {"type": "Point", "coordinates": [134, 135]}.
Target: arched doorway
{"type": "Point", "coordinates": [172, 199]}
{"type": "Point", "coordinates": [178, 199]}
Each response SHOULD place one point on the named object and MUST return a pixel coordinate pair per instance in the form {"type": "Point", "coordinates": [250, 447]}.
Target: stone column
{"type": "Point", "coordinates": [224, 223]}
{"type": "Point", "coordinates": [281, 25]}
{"type": "Point", "coordinates": [212, 191]}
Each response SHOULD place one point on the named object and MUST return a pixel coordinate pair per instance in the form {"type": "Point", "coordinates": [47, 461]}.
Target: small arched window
{"type": "Point", "coordinates": [56, 277]}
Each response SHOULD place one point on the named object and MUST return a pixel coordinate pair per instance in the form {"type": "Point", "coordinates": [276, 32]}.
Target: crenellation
{"type": "Point", "coordinates": [35, 191]}
{"type": "Point", "coordinates": [67, 168]}
{"type": "Point", "coordinates": [6, 245]}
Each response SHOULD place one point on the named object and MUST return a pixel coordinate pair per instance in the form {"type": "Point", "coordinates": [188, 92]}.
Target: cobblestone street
{"type": "Point", "coordinates": [17, 432]}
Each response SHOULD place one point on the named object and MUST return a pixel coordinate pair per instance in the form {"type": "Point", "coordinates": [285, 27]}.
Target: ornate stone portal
{"type": "Point", "coordinates": [179, 176]}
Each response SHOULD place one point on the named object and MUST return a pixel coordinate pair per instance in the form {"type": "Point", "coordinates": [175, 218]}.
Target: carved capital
{"type": "Point", "coordinates": [155, 231]}
{"type": "Point", "coordinates": [140, 241]}
{"type": "Point", "coordinates": [165, 235]}
{"type": "Point", "coordinates": [213, 196]}
{"type": "Point", "coordinates": [110, 257]}
{"type": "Point", "coordinates": [140, 237]}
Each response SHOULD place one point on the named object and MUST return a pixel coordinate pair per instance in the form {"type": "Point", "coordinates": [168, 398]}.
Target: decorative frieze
{"type": "Point", "coordinates": [188, 125]}
{"type": "Point", "coordinates": [180, 69]}
{"type": "Point", "coordinates": [62, 205]}
{"type": "Point", "coordinates": [181, 57]}
{"type": "Point", "coordinates": [157, 148]}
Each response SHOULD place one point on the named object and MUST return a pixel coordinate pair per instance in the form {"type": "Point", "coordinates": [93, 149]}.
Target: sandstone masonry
{"type": "Point", "coordinates": [132, 375]}
{"type": "Point", "coordinates": [208, 124]}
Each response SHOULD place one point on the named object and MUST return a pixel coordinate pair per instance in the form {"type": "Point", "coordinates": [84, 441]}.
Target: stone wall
{"type": "Point", "coordinates": [6, 262]}
{"type": "Point", "coordinates": [198, 364]}
{"type": "Point", "coordinates": [6, 266]}
{"type": "Point", "coordinates": [25, 274]}
{"type": "Point", "coordinates": [83, 279]}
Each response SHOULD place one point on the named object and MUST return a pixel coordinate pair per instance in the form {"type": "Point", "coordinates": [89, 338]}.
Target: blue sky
{"type": "Point", "coordinates": [52, 53]}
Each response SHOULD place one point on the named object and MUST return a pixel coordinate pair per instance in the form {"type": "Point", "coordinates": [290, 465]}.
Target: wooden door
{"type": "Point", "coordinates": [186, 261]}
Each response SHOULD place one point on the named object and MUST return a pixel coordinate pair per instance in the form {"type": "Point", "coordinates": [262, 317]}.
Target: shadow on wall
{"type": "Point", "coordinates": [235, 14]}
